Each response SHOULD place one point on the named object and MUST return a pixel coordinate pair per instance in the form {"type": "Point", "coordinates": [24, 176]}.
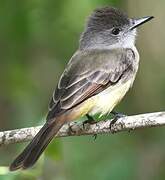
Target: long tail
{"type": "Point", "coordinates": [35, 148]}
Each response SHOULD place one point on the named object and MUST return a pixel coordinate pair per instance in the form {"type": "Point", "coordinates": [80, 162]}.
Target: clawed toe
{"type": "Point", "coordinates": [90, 120]}
{"type": "Point", "coordinates": [116, 117]}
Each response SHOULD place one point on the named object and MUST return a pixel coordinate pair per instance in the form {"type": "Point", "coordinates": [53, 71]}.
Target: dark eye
{"type": "Point", "coordinates": [116, 31]}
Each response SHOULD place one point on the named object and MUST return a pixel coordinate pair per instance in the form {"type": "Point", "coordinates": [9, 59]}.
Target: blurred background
{"type": "Point", "coordinates": [37, 38]}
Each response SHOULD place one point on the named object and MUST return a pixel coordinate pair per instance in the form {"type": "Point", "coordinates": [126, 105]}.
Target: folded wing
{"type": "Point", "coordinates": [86, 75]}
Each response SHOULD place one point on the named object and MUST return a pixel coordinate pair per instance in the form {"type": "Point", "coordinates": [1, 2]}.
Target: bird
{"type": "Point", "coordinates": [95, 79]}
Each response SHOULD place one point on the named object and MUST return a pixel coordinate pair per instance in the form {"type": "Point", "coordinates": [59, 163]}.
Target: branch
{"type": "Point", "coordinates": [127, 123]}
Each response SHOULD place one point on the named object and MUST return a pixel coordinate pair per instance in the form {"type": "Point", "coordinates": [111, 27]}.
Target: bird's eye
{"type": "Point", "coordinates": [116, 31]}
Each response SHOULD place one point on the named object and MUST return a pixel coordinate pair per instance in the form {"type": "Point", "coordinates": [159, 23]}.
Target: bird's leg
{"type": "Point", "coordinates": [90, 120]}
{"type": "Point", "coordinates": [117, 114]}
{"type": "Point", "coordinates": [70, 129]}
{"type": "Point", "coordinates": [116, 117]}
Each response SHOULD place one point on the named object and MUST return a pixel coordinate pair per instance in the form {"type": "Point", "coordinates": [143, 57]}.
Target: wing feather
{"type": "Point", "coordinates": [85, 76]}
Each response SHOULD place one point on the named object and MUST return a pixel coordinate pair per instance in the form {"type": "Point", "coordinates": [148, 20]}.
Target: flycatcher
{"type": "Point", "coordinates": [94, 81]}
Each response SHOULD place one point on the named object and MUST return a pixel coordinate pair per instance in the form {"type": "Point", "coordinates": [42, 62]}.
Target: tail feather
{"type": "Point", "coordinates": [35, 148]}
{"type": "Point", "coordinates": [39, 148]}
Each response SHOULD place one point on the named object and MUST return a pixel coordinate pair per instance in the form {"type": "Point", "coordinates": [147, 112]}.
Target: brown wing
{"type": "Point", "coordinates": [86, 75]}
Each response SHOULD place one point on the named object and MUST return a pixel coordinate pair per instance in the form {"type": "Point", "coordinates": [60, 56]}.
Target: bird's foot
{"type": "Point", "coordinates": [117, 114]}
{"type": "Point", "coordinates": [90, 120]}
{"type": "Point", "coordinates": [116, 117]}
{"type": "Point", "coordinates": [71, 131]}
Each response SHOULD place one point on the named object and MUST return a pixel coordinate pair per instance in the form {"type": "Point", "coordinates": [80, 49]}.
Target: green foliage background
{"type": "Point", "coordinates": [37, 38]}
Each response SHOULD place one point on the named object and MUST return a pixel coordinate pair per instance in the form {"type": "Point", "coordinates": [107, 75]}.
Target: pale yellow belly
{"type": "Point", "coordinates": [109, 98]}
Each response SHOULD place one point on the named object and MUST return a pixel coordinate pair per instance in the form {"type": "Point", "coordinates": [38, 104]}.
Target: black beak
{"type": "Point", "coordinates": [140, 21]}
